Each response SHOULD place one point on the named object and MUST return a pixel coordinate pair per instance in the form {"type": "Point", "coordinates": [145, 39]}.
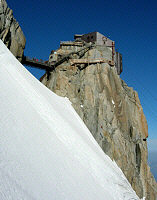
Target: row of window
{"type": "Point", "coordinates": [90, 37]}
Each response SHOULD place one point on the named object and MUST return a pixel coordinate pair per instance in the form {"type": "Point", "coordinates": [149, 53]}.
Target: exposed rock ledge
{"type": "Point", "coordinates": [10, 31]}
{"type": "Point", "coordinates": [112, 112]}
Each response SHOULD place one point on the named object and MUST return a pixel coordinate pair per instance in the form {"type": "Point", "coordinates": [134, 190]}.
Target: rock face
{"type": "Point", "coordinates": [110, 109]}
{"type": "Point", "coordinates": [10, 31]}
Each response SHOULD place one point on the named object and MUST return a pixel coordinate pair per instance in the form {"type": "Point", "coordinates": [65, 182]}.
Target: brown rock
{"type": "Point", "coordinates": [10, 32]}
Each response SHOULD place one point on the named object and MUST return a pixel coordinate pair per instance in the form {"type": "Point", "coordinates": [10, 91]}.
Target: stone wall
{"type": "Point", "coordinates": [112, 112]}
{"type": "Point", "coordinates": [10, 31]}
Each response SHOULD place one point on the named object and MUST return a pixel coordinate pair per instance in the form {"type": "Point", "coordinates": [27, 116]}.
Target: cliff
{"type": "Point", "coordinates": [110, 109]}
{"type": "Point", "coordinates": [46, 151]}
{"type": "Point", "coordinates": [10, 31]}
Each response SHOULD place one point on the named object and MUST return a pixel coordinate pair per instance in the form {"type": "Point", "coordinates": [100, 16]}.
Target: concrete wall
{"type": "Point", "coordinates": [100, 39]}
{"type": "Point", "coordinates": [90, 37]}
{"type": "Point", "coordinates": [97, 37]}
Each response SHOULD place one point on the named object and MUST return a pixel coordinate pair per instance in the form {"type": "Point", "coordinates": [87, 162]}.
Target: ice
{"type": "Point", "coordinates": [46, 151]}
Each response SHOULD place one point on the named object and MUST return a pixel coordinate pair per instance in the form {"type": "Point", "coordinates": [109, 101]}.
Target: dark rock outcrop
{"type": "Point", "coordinates": [110, 109]}
{"type": "Point", "coordinates": [10, 31]}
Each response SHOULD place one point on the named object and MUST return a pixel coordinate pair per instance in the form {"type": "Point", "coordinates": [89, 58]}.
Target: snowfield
{"type": "Point", "coordinates": [46, 151]}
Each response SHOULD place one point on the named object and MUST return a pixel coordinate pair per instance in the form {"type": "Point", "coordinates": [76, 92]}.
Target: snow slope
{"type": "Point", "coordinates": [46, 151]}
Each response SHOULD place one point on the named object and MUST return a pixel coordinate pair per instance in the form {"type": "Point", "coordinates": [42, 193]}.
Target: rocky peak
{"type": "Point", "coordinates": [10, 31]}
{"type": "Point", "coordinates": [109, 108]}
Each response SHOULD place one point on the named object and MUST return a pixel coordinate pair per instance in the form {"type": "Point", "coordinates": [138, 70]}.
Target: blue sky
{"type": "Point", "coordinates": [131, 24]}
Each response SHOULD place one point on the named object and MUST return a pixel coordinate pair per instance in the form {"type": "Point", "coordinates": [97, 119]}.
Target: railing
{"type": "Point", "coordinates": [72, 43]}
{"type": "Point", "coordinates": [66, 42]}
{"type": "Point", "coordinates": [34, 62]}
